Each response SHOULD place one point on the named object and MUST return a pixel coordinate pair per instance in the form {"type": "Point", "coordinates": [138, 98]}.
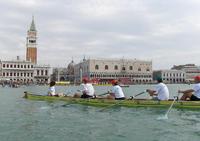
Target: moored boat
{"type": "Point", "coordinates": [124, 85]}
{"type": "Point", "coordinates": [101, 102]}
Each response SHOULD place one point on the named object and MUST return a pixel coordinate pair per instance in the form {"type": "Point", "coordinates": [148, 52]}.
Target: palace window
{"type": "Point", "coordinates": [123, 68]}
{"type": "Point", "coordinates": [106, 67]}
{"type": "Point", "coordinates": [96, 67]}
{"type": "Point", "coordinates": [46, 72]}
{"type": "Point", "coordinates": [139, 69]}
{"type": "Point", "coordinates": [147, 69]}
{"type": "Point", "coordinates": [130, 67]}
{"type": "Point", "coordinates": [116, 67]}
{"type": "Point", "coordinates": [42, 72]}
{"type": "Point", "coordinates": [4, 65]}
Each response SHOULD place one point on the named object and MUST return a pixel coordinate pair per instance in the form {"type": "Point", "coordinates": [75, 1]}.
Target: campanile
{"type": "Point", "coordinates": [31, 43]}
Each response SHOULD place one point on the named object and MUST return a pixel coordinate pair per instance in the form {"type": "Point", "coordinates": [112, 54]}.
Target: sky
{"type": "Point", "coordinates": [166, 32]}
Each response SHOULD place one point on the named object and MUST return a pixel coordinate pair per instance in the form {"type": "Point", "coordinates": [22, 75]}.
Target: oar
{"type": "Point", "coordinates": [26, 92]}
{"type": "Point", "coordinates": [103, 94]}
{"type": "Point", "coordinates": [132, 97]}
{"type": "Point", "coordinates": [169, 109]}
{"type": "Point", "coordinates": [112, 105]}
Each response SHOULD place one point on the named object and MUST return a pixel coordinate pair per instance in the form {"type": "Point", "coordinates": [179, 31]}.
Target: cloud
{"type": "Point", "coordinates": [156, 30]}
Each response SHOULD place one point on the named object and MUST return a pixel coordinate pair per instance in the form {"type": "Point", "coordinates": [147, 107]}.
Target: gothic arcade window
{"type": "Point", "coordinates": [123, 68]}
{"type": "Point", "coordinates": [116, 67]}
{"type": "Point", "coordinates": [130, 67]}
{"type": "Point", "coordinates": [106, 67]}
{"type": "Point", "coordinates": [139, 69]}
{"type": "Point", "coordinates": [96, 67]}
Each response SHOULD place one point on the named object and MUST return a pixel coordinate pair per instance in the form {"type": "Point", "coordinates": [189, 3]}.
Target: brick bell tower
{"type": "Point", "coordinates": [31, 42]}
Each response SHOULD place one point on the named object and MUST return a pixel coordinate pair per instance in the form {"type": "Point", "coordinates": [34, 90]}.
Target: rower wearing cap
{"type": "Point", "coordinates": [188, 94]}
{"type": "Point", "coordinates": [160, 92]}
{"type": "Point", "coordinates": [116, 91]}
{"type": "Point", "coordinates": [88, 89]}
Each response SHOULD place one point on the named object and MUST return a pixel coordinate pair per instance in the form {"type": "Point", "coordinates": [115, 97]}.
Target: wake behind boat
{"type": "Point", "coordinates": [102, 102]}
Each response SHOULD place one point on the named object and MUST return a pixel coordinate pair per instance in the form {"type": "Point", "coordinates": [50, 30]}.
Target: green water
{"type": "Point", "coordinates": [25, 120]}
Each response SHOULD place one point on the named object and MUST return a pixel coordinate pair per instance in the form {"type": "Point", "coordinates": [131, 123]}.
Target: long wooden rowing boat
{"type": "Point", "coordinates": [107, 102]}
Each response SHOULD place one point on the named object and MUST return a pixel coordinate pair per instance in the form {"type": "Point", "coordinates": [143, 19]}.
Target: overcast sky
{"type": "Point", "coordinates": [164, 31]}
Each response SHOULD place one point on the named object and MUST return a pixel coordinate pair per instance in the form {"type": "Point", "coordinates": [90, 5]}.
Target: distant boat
{"type": "Point", "coordinates": [62, 83]}
{"type": "Point", "coordinates": [102, 84]}
{"type": "Point", "coordinates": [124, 85]}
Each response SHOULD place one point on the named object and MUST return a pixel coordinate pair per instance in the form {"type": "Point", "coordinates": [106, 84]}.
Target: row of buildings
{"type": "Point", "coordinates": [128, 71]}
{"type": "Point", "coordinates": [100, 71]}
{"type": "Point", "coordinates": [25, 71]}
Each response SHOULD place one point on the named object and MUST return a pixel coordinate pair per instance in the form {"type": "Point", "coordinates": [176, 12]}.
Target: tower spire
{"type": "Point", "coordinates": [32, 28]}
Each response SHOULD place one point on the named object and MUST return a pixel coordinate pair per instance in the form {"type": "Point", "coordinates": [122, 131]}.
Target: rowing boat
{"type": "Point", "coordinates": [101, 102]}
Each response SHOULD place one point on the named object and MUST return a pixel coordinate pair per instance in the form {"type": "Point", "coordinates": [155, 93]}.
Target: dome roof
{"type": "Point", "coordinates": [70, 68]}
{"type": "Point", "coordinates": [71, 64]}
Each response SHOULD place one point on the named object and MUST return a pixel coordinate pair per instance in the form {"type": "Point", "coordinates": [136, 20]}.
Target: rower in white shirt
{"type": "Point", "coordinates": [160, 92]}
{"type": "Point", "coordinates": [117, 91]}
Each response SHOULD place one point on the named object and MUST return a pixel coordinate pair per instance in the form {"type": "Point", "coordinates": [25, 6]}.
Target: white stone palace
{"type": "Point", "coordinates": [102, 71]}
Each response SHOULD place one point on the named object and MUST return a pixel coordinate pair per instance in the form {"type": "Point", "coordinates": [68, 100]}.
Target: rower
{"type": "Point", "coordinates": [52, 90]}
{"type": "Point", "coordinates": [188, 94]}
{"type": "Point", "coordinates": [116, 91]}
{"type": "Point", "coordinates": [87, 90]}
{"type": "Point", "coordinates": [160, 92]}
